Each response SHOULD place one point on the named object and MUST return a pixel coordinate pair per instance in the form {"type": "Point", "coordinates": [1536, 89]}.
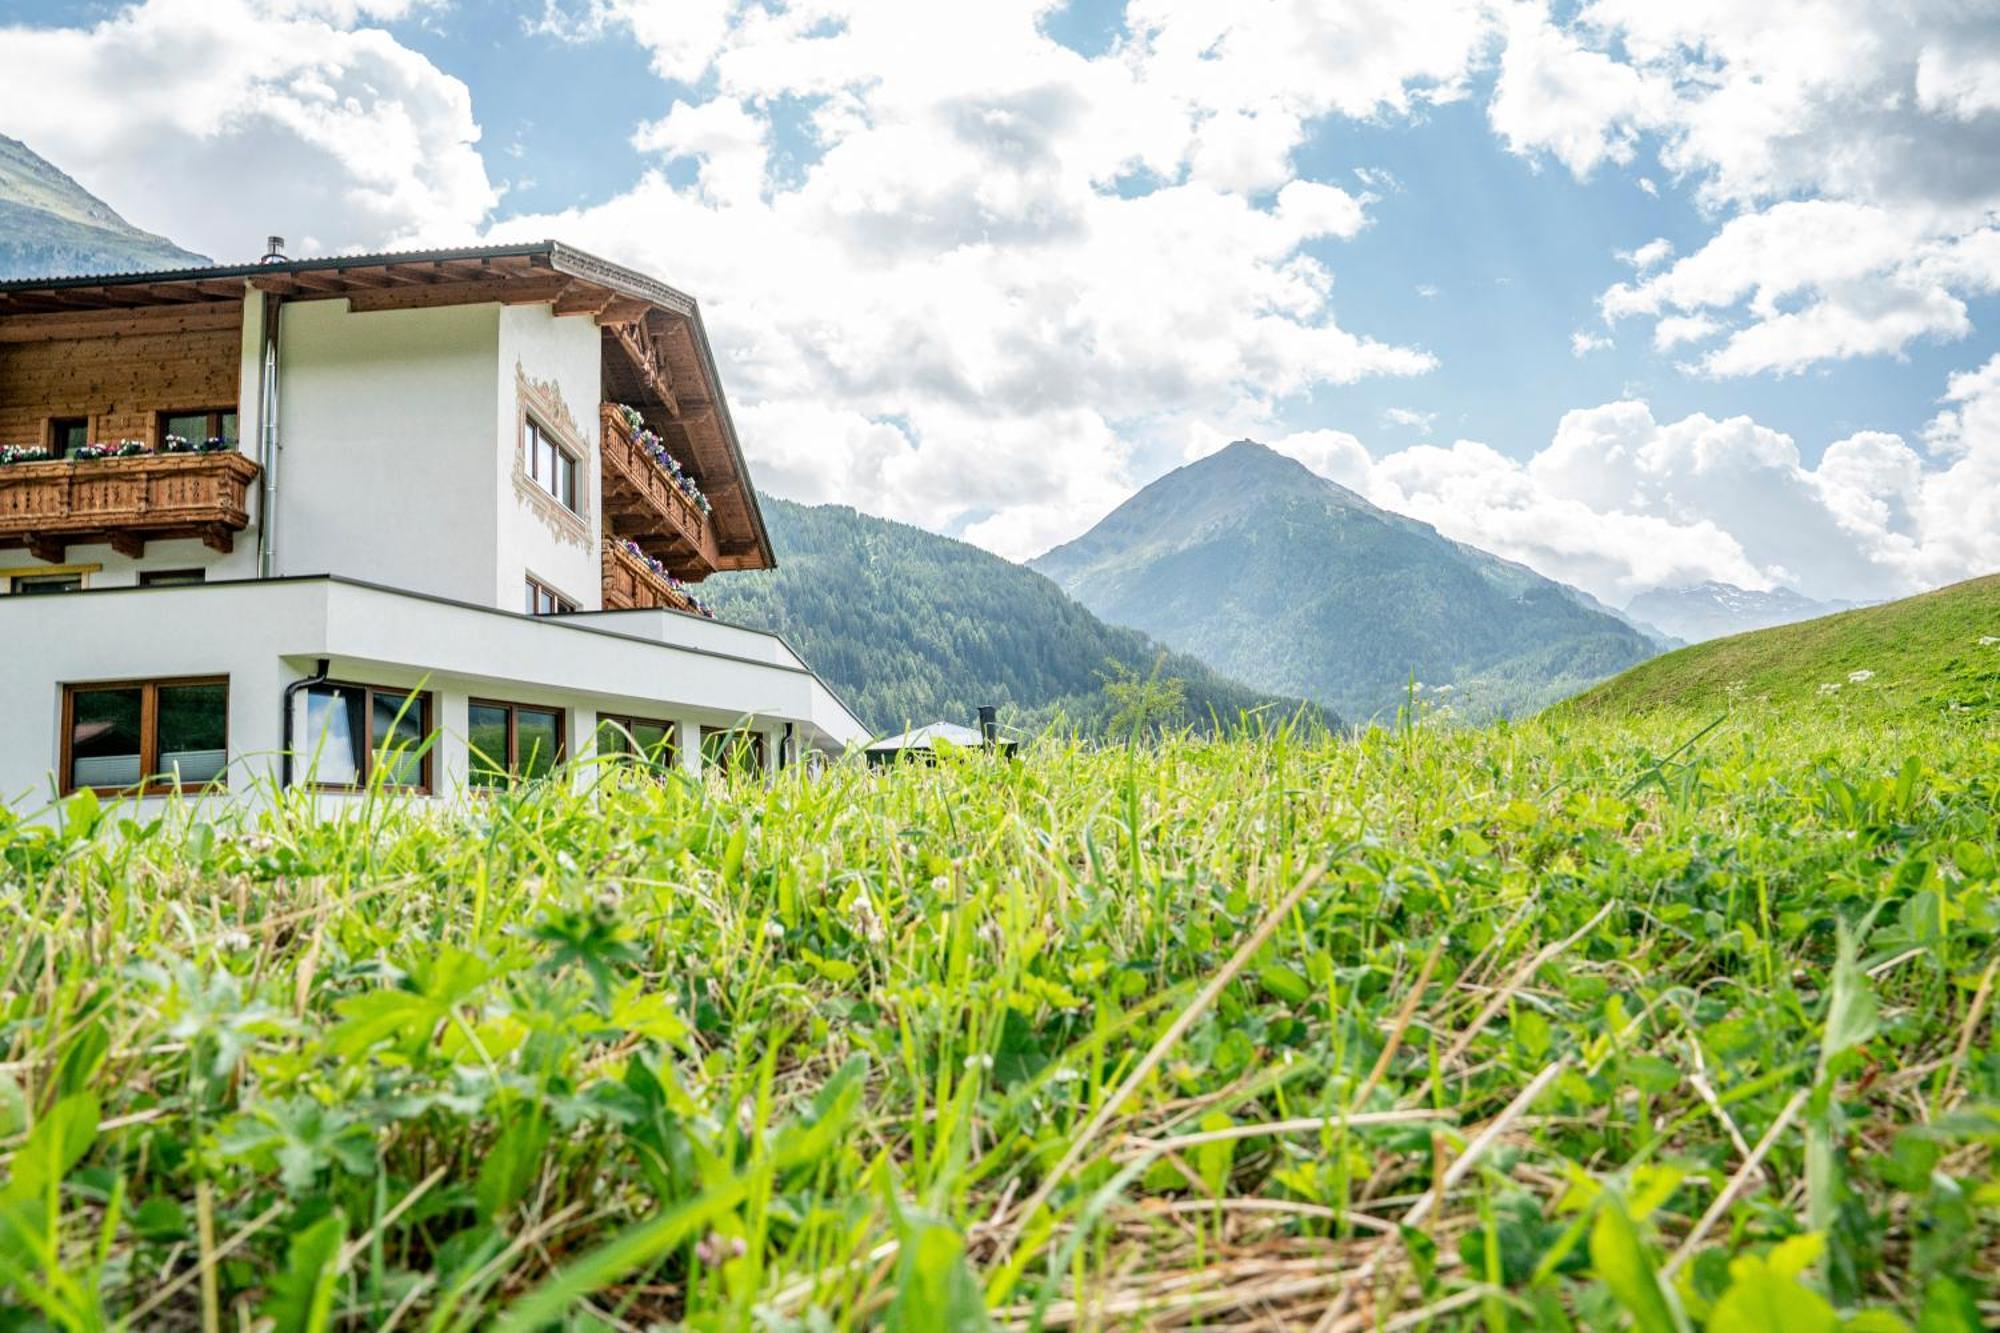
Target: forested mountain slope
{"type": "Point", "coordinates": [910, 626]}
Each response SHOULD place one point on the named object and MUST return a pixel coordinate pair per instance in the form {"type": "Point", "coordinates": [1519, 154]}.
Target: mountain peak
{"type": "Point", "coordinates": [1245, 455]}
{"type": "Point", "coordinates": [1291, 582]}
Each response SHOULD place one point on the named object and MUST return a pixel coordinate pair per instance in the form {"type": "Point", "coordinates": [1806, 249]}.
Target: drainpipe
{"type": "Point", "coordinates": [267, 454]}
{"type": "Point", "coordinates": [785, 748]}
{"type": "Point", "coordinates": [318, 677]}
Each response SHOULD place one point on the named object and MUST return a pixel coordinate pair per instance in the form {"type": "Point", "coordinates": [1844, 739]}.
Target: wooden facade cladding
{"type": "Point", "coordinates": [125, 502]}
{"type": "Point", "coordinates": [118, 374]}
{"type": "Point", "coordinates": [643, 503]}
{"type": "Point", "coordinates": [629, 585]}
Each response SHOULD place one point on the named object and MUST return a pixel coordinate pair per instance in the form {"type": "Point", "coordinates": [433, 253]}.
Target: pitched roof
{"type": "Point", "coordinates": [536, 271]}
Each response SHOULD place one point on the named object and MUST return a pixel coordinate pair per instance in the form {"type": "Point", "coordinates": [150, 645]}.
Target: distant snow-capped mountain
{"type": "Point", "coordinates": [1713, 610]}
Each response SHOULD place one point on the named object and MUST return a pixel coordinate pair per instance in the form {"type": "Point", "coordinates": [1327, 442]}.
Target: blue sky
{"type": "Point", "coordinates": [990, 269]}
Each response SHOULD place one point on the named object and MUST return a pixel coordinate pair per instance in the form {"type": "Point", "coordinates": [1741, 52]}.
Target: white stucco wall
{"type": "Point", "coordinates": [547, 362]}
{"type": "Point", "coordinates": [387, 422]}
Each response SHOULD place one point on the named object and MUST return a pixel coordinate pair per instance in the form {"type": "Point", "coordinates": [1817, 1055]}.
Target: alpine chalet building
{"type": "Point", "coordinates": [427, 521]}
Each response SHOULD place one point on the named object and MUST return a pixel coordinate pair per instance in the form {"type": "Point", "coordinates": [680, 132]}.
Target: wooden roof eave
{"type": "Point", "coordinates": [665, 355]}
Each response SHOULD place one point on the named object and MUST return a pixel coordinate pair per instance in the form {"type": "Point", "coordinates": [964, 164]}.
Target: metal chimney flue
{"type": "Point", "coordinates": [989, 724]}
{"type": "Point", "coordinates": [274, 250]}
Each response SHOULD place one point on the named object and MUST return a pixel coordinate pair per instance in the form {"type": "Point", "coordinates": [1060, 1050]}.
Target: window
{"type": "Point", "coordinates": [551, 465]}
{"type": "Point", "coordinates": [351, 735]}
{"type": "Point", "coordinates": [32, 579]}
{"type": "Point", "coordinates": [197, 425]}
{"type": "Point", "coordinates": [546, 601]}
{"type": "Point", "coordinates": [733, 751]}
{"type": "Point", "coordinates": [124, 736]}
{"type": "Point", "coordinates": [31, 584]}
{"type": "Point", "coordinates": [171, 578]}
{"type": "Point", "coordinates": [512, 742]}
{"type": "Point", "coordinates": [68, 434]}
{"type": "Point", "coordinates": [644, 740]}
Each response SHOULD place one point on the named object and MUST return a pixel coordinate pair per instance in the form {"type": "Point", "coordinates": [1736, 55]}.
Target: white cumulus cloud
{"type": "Point", "coordinates": [1850, 150]}
{"type": "Point", "coordinates": [957, 311]}
{"type": "Point", "coordinates": [216, 122]}
{"type": "Point", "coordinates": [1619, 502]}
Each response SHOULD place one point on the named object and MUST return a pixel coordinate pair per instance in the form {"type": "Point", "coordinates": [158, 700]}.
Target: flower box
{"type": "Point", "coordinates": [642, 500]}
{"type": "Point", "coordinates": [635, 581]}
{"type": "Point", "coordinates": [124, 500]}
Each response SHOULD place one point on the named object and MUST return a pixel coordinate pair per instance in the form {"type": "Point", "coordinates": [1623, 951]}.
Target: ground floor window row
{"type": "Point", "coordinates": [127, 735]}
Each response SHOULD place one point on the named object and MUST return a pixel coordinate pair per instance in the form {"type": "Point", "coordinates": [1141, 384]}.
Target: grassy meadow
{"type": "Point", "coordinates": [1576, 1023]}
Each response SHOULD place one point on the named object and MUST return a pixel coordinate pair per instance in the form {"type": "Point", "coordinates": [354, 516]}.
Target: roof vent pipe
{"type": "Point", "coordinates": [989, 724]}
{"type": "Point", "coordinates": [274, 250]}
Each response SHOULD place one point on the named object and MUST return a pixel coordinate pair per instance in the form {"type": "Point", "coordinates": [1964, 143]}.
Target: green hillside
{"type": "Point", "coordinates": [912, 627]}
{"type": "Point", "coordinates": [1292, 583]}
{"type": "Point", "coordinates": [50, 225]}
{"type": "Point", "coordinates": [1935, 653]}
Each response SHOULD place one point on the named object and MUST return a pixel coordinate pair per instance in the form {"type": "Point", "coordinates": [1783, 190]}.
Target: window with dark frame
{"type": "Point", "coordinates": [198, 424]}
{"type": "Point", "coordinates": [347, 735]}
{"type": "Point", "coordinates": [647, 741]}
{"type": "Point", "coordinates": [67, 435]}
{"type": "Point", "coordinates": [128, 735]}
{"type": "Point", "coordinates": [512, 743]}
{"type": "Point", "coordinates": [546, 601]}
{"type": "Point", "coordinates": [31, 585]}
{"type": "Point", "coordinates": [171, 578]}
{"type": "Point", "coordinates": [732, 750]}
{"type": "Point", "coordinates": [553, 467]}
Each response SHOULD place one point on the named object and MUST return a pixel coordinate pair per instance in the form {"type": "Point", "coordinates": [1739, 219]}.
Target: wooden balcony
{"type": "Point", "coordinates": [632, 585]}
{"type": "Point", "coordinates": [125, 502]}
{"type": "Point", "coordinates": [643, 503]}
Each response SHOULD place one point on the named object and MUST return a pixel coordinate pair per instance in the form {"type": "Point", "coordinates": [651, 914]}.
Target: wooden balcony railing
{"type": "Point", "coordinates": [126, 502]}
{"type": "Point", "coordinates": [630, 584]}
{"type": "Point", "coordinates": [643, 503]}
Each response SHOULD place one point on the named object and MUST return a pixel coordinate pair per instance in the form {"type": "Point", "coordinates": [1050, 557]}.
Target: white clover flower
{"type": "Point", "coordinates": [1065, 1075]}
{"type": "Point", "coordinates": [1860, 677]}
{"type": "Point", "coordinates": [774, 930]}
{"type": "Point", "coordinates": [866, 920]}
{"type": "Point", "coordinates": [1988, 640]}
{"type": "Point", "coordinates": [1829, 687]}
{"type": "Point", "coordinates": [980, 1061]}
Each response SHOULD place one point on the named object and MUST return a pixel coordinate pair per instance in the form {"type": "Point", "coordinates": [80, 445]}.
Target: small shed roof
{"type": "Point", "coordinates": [925, 738]}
